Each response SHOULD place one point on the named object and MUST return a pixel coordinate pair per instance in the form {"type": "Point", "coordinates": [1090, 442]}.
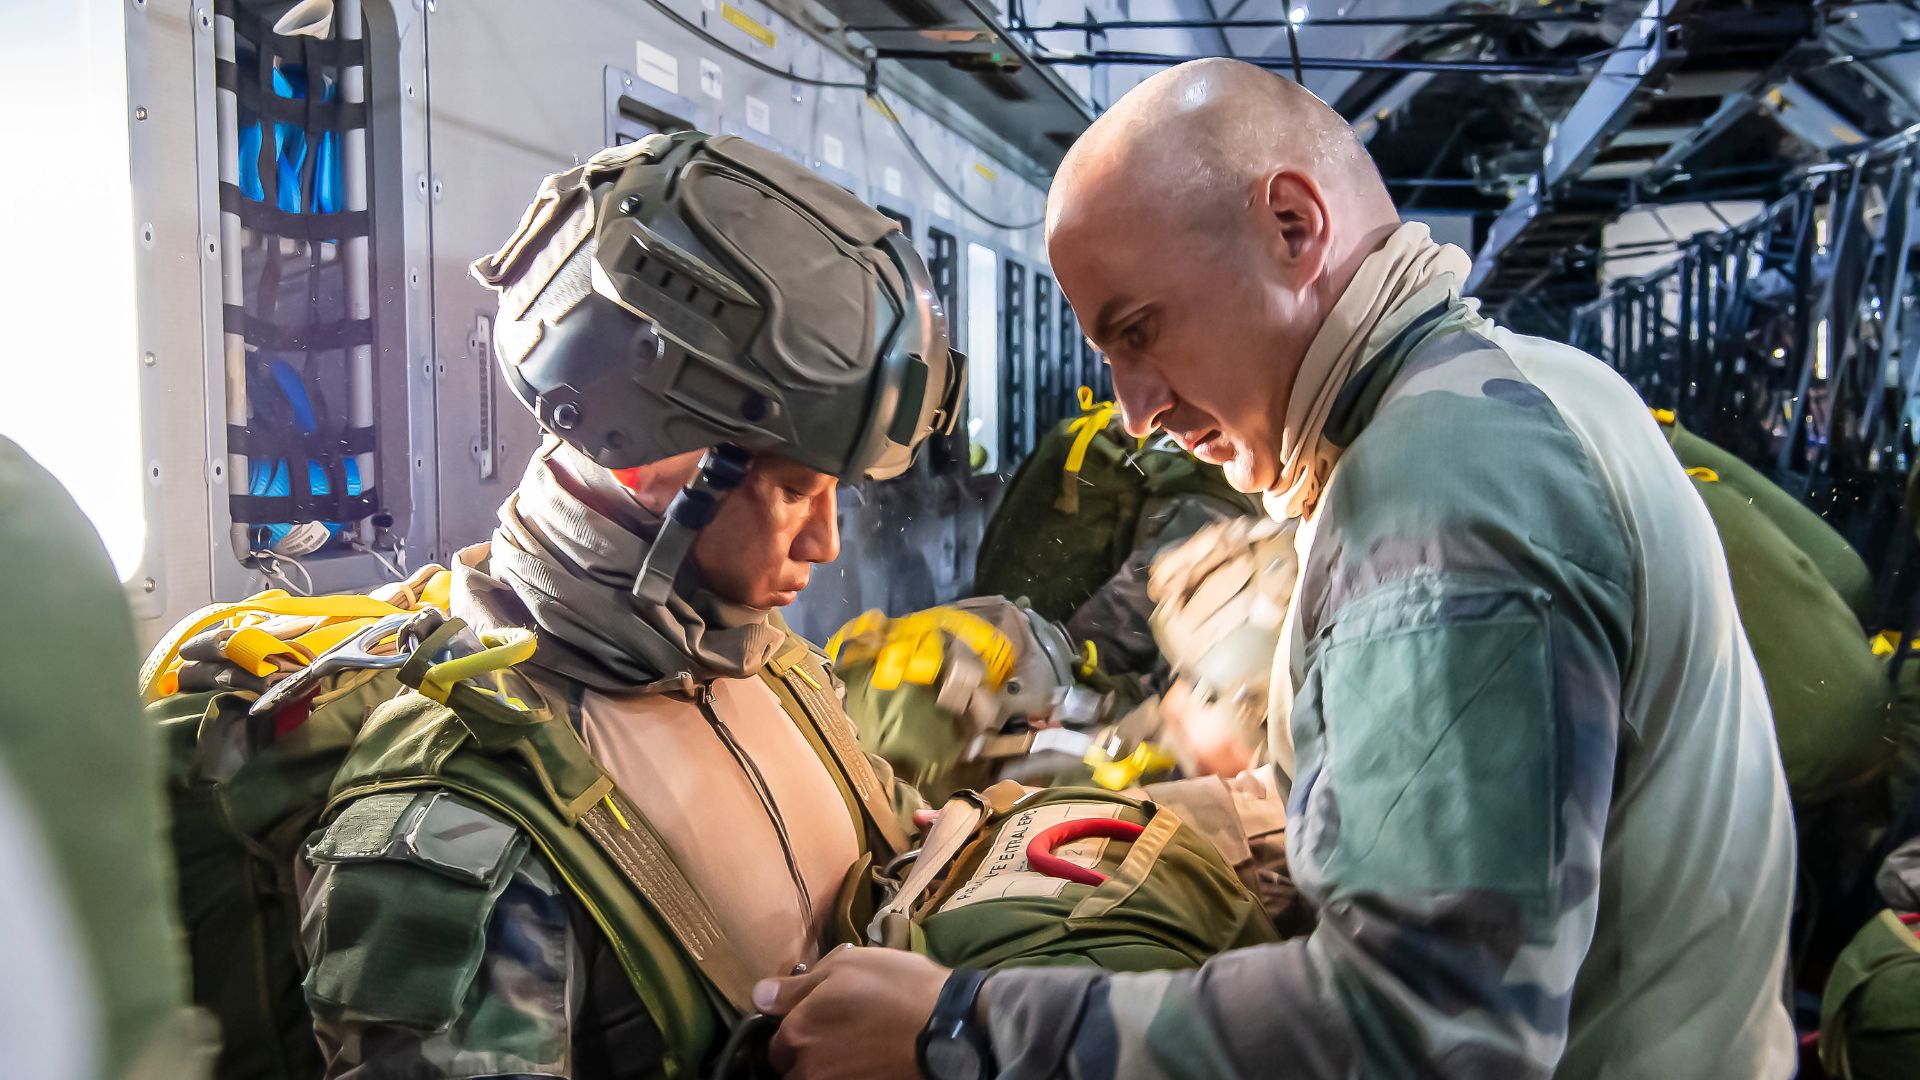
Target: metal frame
{"type": "Point", "coordinates": [1730, 336]}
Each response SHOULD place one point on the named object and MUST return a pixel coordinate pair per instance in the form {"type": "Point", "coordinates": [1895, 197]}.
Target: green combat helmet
{"type": "Point", "coordinates": [693, 292]}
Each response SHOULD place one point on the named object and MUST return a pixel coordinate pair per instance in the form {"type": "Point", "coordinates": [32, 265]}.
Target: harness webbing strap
{"type": "Point", "coordinates": [641, 856]}
{"type": "Point", "coordinates": [805, 681]}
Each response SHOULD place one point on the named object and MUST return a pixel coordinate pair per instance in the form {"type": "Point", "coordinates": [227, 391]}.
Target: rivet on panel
{"type": "Point", "coordinates": [140, 112]}
{"type": "Point", "coordinates": [150, 585]}
{"type": "Point", "coordinates": [149, 359]}
{"type": "Point", "coordinates": [206, 19]}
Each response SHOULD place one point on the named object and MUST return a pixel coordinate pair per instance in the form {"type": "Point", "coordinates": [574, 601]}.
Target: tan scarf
{"type": "Point", "coordinates": [1362, 322]}
{"type": "Point", "coordinates": [571, 567]}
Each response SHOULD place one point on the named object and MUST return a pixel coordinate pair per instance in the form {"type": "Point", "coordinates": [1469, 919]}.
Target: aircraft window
{"type": "Point", "coordinates": [1016, 394]}
{"type": "Point", "coordinates": [900, 219]}
{"type": "Point", "coordinates": [73, 387]}
{"type": "Point", "coordinates": [1048, 396]}
{"type": "Point", "coordinates": [634, 120]}
{"type": "Point", "coordinates": [940, 264]}
{"type": "Point", "coordinates": [983, 352]}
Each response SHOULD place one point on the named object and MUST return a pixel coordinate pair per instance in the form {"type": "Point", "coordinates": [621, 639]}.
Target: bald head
{"type": "Point", "coordinates": [1202, 230]}
{"type": "Point", "coordinates": [1202, 137]}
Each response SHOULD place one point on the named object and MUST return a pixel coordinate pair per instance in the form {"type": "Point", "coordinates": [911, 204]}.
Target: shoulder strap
{"type": "Point", "coordinates": [799, 680]}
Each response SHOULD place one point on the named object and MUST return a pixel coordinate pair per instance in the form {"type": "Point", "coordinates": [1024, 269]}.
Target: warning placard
{"type": "Point", "coordinates": [1004, 872]}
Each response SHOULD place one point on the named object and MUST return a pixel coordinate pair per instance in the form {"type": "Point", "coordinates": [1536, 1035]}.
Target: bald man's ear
{"type": "Point", "coordinates": [1299, 213]}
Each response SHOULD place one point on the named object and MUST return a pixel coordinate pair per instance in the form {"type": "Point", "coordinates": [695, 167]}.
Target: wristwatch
{"type": "Point", "coordinates": [954, 1045]}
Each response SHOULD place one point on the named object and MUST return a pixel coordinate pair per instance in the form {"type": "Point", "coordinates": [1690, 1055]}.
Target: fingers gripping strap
{"type": "Point", "coordinates": [951, 831]}
{"type": "Point", "coordinates": [617, 825]}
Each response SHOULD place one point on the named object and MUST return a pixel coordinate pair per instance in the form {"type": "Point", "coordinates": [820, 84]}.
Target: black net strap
{"type": "Point", "coordinates": [318, 337]}
{"type": "Point", "coordinates": [306, 506]}
{"type": "Point", "coordinates": [274, 437]}
{"type": "Point", "coordinates": [329, 52]}
{"type": "Point", "coordinates": [266, 219]}
{"type": "Point", "coordinates": [259, 99]}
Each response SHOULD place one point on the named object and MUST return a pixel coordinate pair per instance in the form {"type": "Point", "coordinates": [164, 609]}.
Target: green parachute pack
{"type": "Point", "coordinates": [1072, 512]}
{"type": "Point", "coordinates": [1067, 877]}
{"type": "Point", "coordinates": [1799, 587]}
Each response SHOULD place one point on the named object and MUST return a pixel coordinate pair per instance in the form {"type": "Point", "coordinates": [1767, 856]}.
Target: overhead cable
{"type": "Point", "coordinates": [872, 91]}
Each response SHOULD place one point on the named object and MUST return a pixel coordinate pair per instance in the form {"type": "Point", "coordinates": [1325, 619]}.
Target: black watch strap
{"type": "Point", "coordinates": [953, 1022]}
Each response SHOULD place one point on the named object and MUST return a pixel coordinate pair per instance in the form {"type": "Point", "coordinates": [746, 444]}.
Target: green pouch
{"type": "Point", "coordinates": [1870, 1013]}
{"type": "Point", "coordinates": [406, 881]}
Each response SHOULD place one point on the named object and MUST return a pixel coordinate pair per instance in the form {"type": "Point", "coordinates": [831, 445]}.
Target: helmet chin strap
{"type": "Point", "coordinates": [721, 470]}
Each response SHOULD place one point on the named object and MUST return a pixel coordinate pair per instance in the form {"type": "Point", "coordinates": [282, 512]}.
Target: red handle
{"type": "Point", "coordinates": [1041, 858]}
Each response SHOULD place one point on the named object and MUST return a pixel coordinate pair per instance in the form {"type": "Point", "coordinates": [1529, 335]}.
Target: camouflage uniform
{"type": "Point", "coordinates": [1537, 799]}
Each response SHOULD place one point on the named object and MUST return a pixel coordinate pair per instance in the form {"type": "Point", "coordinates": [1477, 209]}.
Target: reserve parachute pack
{"type": "Point", "coordinates": [962, 695]}
{"type": "Point", "coordinates": [1073, 511]}
{"type": "Point", "coordinates": [284, 715]}
{"type": "Point", "coordinates": [1066, 877]}
{"type": "Point", "coordinates": [1792, 575]}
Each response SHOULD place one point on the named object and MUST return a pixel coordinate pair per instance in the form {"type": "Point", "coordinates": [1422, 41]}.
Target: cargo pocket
{"type": "Point", "coordinates": [395, 920]}
{"type": "Point", "coordinates": [1440, 733]}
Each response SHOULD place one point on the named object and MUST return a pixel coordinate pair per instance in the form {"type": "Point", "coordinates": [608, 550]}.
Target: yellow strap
{"type": "Point", "coordinates": [505, 648]}
{"type": "Point", "coordinates": [271, 602]}
{"type": "Point", "coordinates": [1886, 643]}
{"type": "Point", "coordinates": [1704, 475]}
{"type": "Point", "coordinates": [1089, 659]}
{"type": "Point", "coordinates": [1094, 418]}
{"type": "Point", "coordinates": [911, 649]}
{"type": "Point", "coordinates": [254, 649]}
{"type": "Point", "coordinates": [1663, 416]}
{"type": "Point", "coordinates": [1126, 772]}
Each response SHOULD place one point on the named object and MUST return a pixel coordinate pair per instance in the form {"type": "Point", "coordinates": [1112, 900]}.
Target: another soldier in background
{"type": "Point", "coordinates": [1081, 520]}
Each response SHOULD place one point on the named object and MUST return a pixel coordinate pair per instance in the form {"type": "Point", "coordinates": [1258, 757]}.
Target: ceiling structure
{"type": "Point", "coordinates": [1539, 120]}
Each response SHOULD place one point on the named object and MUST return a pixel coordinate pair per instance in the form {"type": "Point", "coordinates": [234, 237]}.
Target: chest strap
{"type": "Point", "coordinates": [799, 679]}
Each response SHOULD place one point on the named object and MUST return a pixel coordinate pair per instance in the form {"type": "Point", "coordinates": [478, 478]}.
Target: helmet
{"type": "Point", "coordinates": [691, 292]}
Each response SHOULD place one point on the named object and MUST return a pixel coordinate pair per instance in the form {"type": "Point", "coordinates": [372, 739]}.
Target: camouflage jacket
{"type": "Point", "coordinates": [1537, 797]}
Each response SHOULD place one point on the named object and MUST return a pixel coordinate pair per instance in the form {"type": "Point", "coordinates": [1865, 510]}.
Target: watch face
{"type": "Point", "coordinates": [954, 1059]}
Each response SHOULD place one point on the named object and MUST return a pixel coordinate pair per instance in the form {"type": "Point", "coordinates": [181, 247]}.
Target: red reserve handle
{"type": "Point", "coordinates": [1040, 856]}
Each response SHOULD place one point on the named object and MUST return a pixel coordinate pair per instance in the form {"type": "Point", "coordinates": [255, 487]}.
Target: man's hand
{"type": "Point", "coordinates": [856, 1015]}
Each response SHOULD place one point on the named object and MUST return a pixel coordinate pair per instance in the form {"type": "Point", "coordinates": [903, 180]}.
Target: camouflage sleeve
{"type": "Point", "coordinates": [438, 946]}
{"type": "Point", "coordinates": [1464, 637]}
{"type": "Point", "coordinates": [1114, 618]}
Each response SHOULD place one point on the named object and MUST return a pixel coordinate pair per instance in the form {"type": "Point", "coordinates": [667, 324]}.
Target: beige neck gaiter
{"type": "Point", "coordinates": [1406, 264]}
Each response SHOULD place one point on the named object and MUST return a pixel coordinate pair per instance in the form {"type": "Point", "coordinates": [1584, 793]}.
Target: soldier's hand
{"type": "Point", "coordinates": [856, 1015]}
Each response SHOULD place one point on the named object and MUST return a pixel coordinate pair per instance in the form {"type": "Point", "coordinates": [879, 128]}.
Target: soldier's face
{"type": "Point", "coordinates": [1204, 322]}
{"type": "Point", "coordinates": [760, 548]}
